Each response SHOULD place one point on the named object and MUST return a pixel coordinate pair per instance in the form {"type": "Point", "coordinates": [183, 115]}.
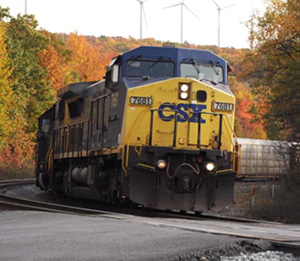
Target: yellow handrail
{"type": "Point", "coordinates": [48, 155]}
{"type": "Point", "coordinates": [236, 152]}
{"type": "Point", "coordinates": [128, 137]}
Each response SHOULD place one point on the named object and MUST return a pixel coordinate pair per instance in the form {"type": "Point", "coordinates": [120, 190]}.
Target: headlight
{"type": "Point", "coordinates": [161, 164]}
{"type": "Point", "coordinates": [183, 95]}
{"type": "Point", "coordinates": [209, 166]}
{"type": "Point", "coordinates": [184, 87]}
{"type": "Point", "coordinates": [183, 91]}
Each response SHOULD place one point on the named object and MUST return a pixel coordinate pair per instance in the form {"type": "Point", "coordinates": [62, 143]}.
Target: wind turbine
{"type": "Point", "coordinates": [219, 14]}
{"type": "Point", "coordinates": [182, 4]}
{"type": "Point", "coordinates": [142, 11]}
{"type": "Point", "coordinates": [251, 36]}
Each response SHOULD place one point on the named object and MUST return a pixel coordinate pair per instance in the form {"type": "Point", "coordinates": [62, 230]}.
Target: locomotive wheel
{"type": "Point", "coordinates": [58, 188]}
{"type": "Point", "coordinates": [198, 213]}
{"type": "Point", "coordinates": [43, 180]}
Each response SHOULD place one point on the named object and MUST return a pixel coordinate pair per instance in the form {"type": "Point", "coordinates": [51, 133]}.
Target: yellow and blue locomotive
{"type": "Point", "coordinates": [158, 131]}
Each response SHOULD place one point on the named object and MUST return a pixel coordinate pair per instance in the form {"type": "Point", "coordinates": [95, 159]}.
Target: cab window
{"type": "Point", "coordinates": [151, 69]}
{"type": "Point", "coordinates": [201, 72]}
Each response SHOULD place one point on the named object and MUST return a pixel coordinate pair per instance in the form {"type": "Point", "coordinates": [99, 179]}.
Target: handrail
{"type": "Point", "coordinates": [63, 134]}
{"type": "Point", "coordinates": [128, 137]}
{"type": "Point", "coordinates": [48, 155]}
{"type": "Point", "coordinates": [175, 125]}
{"type": "Point", "coordinates": [71, 125]}
{"type": "Point", "coordinates": [133, 129]}
{"type": "Point", "coordinates": [236, 145]}
{"type": "Point", "coordinates": [199, 127]}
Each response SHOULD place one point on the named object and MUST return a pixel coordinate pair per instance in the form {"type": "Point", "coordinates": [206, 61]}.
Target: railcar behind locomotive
{"type": "Point", "coordinates": [268, 159]}
{"type": "Point", "coordinates": [264, 158]}
{"type": "Point", "coordinates": [158, 131]}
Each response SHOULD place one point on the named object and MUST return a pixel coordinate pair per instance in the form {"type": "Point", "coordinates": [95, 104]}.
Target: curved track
{"type": "Point", "coordinates": [85, 207]}
{"type": "Point", "coordinates": [22, 203]}
{"type": "Point", "coordinates": [282, 235]}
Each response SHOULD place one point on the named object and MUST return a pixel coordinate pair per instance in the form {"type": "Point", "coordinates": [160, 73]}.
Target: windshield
{"type": "Point", "coordinates": [152, 69]}
{"type": "Point", "coordinates": [201, 72]}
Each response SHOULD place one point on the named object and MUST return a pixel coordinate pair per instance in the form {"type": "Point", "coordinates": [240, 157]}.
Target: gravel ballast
{"type": "Point", "coordinates": [245, 250]}
{"type": "Point", "coordinates": [266, 256]}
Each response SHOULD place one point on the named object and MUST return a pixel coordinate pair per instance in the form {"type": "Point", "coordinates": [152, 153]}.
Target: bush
{"type": "Point", "coordinates": [14, 172]}
{"type": "Point", "coordinates": [285, 207]}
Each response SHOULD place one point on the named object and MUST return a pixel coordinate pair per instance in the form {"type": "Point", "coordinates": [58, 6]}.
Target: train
{"type": "Point", "coordinates": [156, 132]}
{"type": "Point", "coordinates": [268, 159]}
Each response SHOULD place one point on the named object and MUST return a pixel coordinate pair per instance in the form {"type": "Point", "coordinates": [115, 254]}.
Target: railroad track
{"type": "Point", "coordinates": [84, 206]}
{"type": "Point", "coordinates": [93, 209]}
{"type": "Point", "coordinates": [27, 204]}
{"type": "Point", "coordinates": [15, 182]}
{"type": "Point", "coordinates": [282, 236]}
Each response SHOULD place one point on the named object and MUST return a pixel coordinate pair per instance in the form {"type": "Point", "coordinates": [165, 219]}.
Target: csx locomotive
{"type": "Point", "coordinates": [158, 132]}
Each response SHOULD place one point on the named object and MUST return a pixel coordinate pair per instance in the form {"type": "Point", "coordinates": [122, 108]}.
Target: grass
{"type": "Point", "coordinates": [11, 172]}
{"type": "Point", "coordinates": [284, 207]}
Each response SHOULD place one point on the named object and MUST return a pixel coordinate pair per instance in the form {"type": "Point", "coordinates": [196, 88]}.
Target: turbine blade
{"type": "Point", "coordinates": [171, 6]}
{"type": "Point", "coordinates": [145, 16]}
{"type": "Point", "coordinates": [191, 12]}
{"type": "Point", "coordinates": [228, 6]}
{"type": "Point", "coordinates": [216, 4]}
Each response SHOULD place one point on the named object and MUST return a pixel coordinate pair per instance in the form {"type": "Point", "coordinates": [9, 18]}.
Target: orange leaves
{"type": "Point", "coordinates": [5, 88]}
{"type": "Point", "coordinates": [249, 123]}
{"type": "Point", "coordinates": [273, 66]}
{"type": "Point", "coordinates": [50, 59]}
{"type": "Point", "coordinates": [87, 59]}
{"type": "Point", "coordinates": [19, 147]}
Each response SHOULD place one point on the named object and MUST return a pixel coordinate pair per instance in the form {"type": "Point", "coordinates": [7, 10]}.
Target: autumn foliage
{"type": "Point", "coordinates": [272, 67]}
{"type": "Point", "coordinates": [34, 64]}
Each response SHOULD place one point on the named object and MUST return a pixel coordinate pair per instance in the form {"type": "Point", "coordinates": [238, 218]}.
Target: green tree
{"type": "Point", "coordinates": [273, 66]}
{"type": "Point", "coordinates": [5, 88]}
{"type": "Point", "coordinates": [31, 86]}
{"type": "Point", "coordinates": [25, 90]}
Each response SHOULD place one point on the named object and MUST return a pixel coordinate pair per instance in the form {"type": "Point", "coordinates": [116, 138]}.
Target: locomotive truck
{"type": "Point", "coordinates": [158, 132]}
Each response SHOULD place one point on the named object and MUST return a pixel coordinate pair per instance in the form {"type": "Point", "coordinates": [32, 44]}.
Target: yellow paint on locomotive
{"type": "Point", "coordinates": [136, 125]}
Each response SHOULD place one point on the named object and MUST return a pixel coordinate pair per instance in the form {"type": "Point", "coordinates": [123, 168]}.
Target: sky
{"type": "Point", "coordinates": [122, 18]}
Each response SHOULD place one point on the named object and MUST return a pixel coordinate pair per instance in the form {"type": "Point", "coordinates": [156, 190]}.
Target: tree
{"type": "Point", "coordinates": [55, 59]}
{"type": "Point", "coordinates": [31, 87]}
{"type": "Point", "coordinates": [86, 60]}
{"type": "Point", "coordinates": [249, 108]}
{"type": "Point", "coordinates": [25, 90]}
{"type": "Point", "coordinates": [273, 66]}
{"type": "Point", "coordinates": [5, 90]}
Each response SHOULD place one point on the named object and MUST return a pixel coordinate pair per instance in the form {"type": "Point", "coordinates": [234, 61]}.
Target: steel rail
{"type": "Point", "coordinates": [14, 182]}
{"type": "Point", "coordinates": [48, 207]}
{"type": "Point", "coordinates": [22, 203]}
